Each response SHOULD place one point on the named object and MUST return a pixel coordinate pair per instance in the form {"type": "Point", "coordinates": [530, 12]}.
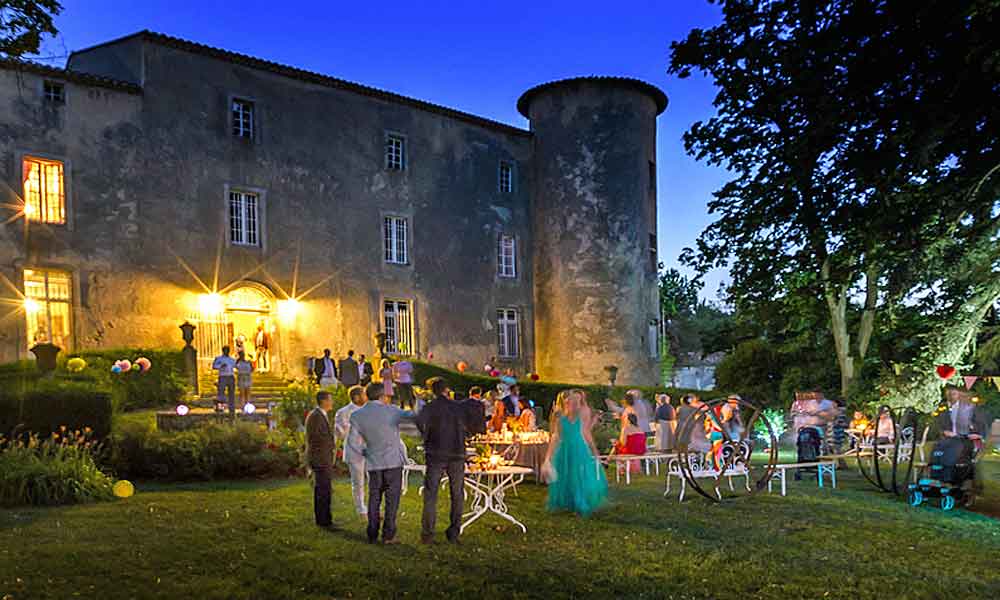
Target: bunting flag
{"type": "Point", "coordinates": [969, 381]}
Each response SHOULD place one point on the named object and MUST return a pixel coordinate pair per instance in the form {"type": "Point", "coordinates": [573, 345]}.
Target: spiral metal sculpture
{"type": "Point", "coordinates": [897, 452]}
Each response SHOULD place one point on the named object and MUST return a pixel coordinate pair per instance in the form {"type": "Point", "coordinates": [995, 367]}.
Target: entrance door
{"type": "Point", "coordinates": [237, 322]}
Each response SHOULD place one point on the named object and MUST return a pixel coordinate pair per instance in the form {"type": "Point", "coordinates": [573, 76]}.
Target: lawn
{"type": "Point", "coordinates": [256, 540]}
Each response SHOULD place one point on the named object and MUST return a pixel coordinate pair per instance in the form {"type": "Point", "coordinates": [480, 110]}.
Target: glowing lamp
{"type": "Point", "coordinates": [494, 460]}
{"type": "Point", "coordinates": [249, 408]}
{"type": "Point", "coordinates": [29, 210]}
{"type": "Point", "coordinates": [182, 409]}
{"type": "Point", "coordinates": [123, 489]}
{"type": "Point", "coordinates": [210, 304]}
{"type": "Point", "coordinates": [30, 306]}
{"type": "Point", "coordinates": [288, 309]}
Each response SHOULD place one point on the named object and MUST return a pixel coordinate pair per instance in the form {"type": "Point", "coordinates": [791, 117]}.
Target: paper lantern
{"type": "Point", "coordinates": [402, 346]}
{"type": "Point", "coordinates": [487, 367]}
{"type": "Point", "coordinates": [123, 489]}
{"type": "Point", "coordinates": [116, 368]}
{"type": "Point", "coordinates": [144, 363]}
{"type": "Point", "coordinates": [76, 364]}
{"type": "Point", "coordinates": [462, 366]}
{"type": "Point", "coordinates": [494, 373]}
{"type": "Point", "coordinates": [430, 355]}
{"type": "Point", "coordinates": [182, 409]}
{"type": "Point", "coordinates": [125, 364]}
{"type": "Point", "coordinates": [508, 380]}
{"type": "Point", "coordinates": [946, 371]}
{"type": "Point", "coordinates": [535, 377]}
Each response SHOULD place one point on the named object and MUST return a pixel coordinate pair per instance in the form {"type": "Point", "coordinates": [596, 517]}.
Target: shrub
{"type": "Point", "coordinates": [162, 385]}
{"type": "Point", "coordinates": [56, 469]}
{"type": "Point", "coordinates": [299, 398]}
{"type": "Point", "coordinates": [49, 406]}
{"type": "Point", "coordinates": [215, 451]}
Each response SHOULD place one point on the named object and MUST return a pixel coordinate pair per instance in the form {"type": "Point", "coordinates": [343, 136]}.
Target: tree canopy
{"type": "Point", "coordinates": [23, 24]}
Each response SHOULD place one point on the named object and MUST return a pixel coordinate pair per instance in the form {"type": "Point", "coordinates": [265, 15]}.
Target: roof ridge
{"type": "Point", "coordinates": [319, 78]}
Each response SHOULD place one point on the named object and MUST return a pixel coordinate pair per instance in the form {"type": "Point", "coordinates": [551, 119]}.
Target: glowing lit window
{"type": "Point", "coordinates": [507, 330]}
{"type": "Point", "coordinates": [47, 306]}
{"type": "Point", "coordinates": [244, 224]}
{"type": "Point", "coordinates": [506, 177]}
{"type": "Point", "coordinates": [507, 256]}
{"type": "Point", "coordinates": [395, 152]}
{"type": "Point", "coordinates": [242, 115]}
{"type": "Point", "coordinates": [395, 231]}
{"type": "Point", "coordinates": [398, 327]}
{"type": "Point", "coordinates": [44, 190]}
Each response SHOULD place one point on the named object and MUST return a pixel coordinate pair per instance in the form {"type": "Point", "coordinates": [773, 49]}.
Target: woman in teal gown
{"type": "Point", "coordinates": [576, 478]}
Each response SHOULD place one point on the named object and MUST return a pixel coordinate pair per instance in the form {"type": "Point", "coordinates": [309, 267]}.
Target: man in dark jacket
{"type": "Point", "coordinates": [320, 445]}
{"type": "Point", "coordinates": [366, 370]}
{"type": "Point", "coordinates": [348, 367]}
{"type": "Point", "coordinates": [325, 369]}
{"type": "Point", "coordinates": [445, 424]}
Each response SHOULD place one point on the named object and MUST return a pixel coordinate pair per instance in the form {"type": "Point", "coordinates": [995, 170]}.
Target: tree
{"type": "Point", "coordinates": [23, 23]}
{"type": "Point", "coordinates": [678, 294]}
{"type": "Point", "coordinates": [854, 130]}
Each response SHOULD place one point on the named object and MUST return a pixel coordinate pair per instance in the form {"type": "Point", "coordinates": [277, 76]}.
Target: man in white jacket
{"type": "Point", "coordinates": [352, 456]}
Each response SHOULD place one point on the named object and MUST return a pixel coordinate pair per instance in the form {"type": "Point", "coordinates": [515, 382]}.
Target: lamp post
{"type": "Point", "coordinates": [45, 357]}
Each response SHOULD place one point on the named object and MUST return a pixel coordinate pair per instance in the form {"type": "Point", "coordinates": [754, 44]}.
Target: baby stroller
{"type": "Point", "coordinates": [809, 444]}
{"type": "Point", "coordinates": [950, 475]}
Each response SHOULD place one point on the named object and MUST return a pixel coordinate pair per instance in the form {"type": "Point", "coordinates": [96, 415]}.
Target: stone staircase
{"type": "Point", "coordinates": [267, 387]}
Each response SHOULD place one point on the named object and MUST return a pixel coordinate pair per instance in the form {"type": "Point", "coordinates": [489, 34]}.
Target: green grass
{"type": "Point", "coordinates": [256, 540]}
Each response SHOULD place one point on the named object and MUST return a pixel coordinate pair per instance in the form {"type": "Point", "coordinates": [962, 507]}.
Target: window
{"type": "Point", "coordinates": [47, 306]}
{"type": "Point", "coordinates": [44, 190]}
{"type": "Point", "coordinates": [242, 113]}
{"type": "Point", "coordinates": [398, 327]}
{"type": "Point", "coordinates": [507, 330]}
{"type": "Point", "coordinates": [652, 252]}
{"type": "Point", "coordinates": [395, 152]}
{"type": "Point", "coordinates": [54, 92]}
{"type": "Point", "coordinates": [654, 344]}
{"type": "Point", "coordinates": [395, 233]}
{"type": "Point", "coordinates": [506, 177]}
{"type": "Point", "coordinates": [244, 222]}
{"type": "Point", "coordinates": [506, 257]}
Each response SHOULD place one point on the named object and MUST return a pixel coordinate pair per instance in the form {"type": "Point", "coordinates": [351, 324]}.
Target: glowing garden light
{"type": "Point", "coordinates": [249, 408]}
{"type": "Point", "coordinates": [182, 409]}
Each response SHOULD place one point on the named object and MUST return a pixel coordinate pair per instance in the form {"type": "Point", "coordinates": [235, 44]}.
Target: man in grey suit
{"type": "Point", "coordinates": [375, 434]}
{"type": "Point", "coordinates": [349, 370]}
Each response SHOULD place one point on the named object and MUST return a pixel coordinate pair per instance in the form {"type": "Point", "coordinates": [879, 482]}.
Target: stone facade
{"type": "Point", "coordinates": [144, 134]}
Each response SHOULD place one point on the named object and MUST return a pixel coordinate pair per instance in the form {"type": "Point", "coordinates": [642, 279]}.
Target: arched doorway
{"type": "Point", "coordinates": [237, 319]}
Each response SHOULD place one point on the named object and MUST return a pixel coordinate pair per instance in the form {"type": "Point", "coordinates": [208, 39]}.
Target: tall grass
{"type": "Point", "coordinates": [58, 469]}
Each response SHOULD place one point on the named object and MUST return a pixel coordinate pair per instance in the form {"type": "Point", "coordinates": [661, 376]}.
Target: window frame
{"type": "Point", "coordinates": [40, 157]}
{"type": "Point", "coordinates": [394, 336]}
{"type": "Point", "coordinates": [254, 118]}
{"type": "Point", "coordinates": [261, 195]}
{"type": "Point", "coordinates": [390, 252]}
{"type": "Point", "coordinates": [507, 318]}
{"type": "Point", "coordinates": [404, 158]}
{"type": "Point", "coordinates": [509, 166]}
{"type": "Point", "coordinates": [501, 272]}
{"type": "Point", "coordinates": [46, 301]}
{"type": "Point", "coordinates": [50, 100]}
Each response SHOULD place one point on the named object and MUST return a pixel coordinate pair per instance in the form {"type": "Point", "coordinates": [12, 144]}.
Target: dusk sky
{"type": "Point", "coordinates": [476, 56]}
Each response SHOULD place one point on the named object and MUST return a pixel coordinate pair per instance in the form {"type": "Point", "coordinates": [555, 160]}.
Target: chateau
{"type": "Point", "coordinates": [155, 181]}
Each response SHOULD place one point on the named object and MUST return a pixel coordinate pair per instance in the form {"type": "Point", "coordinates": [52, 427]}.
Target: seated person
{"type": "Point", "coordinates": [527, 419]}
{"type": "Point", "coordinates": [632, 440]}
{"type": "Point", "coordinates": [499, 417]}
{"type": "Point", "coordinates": [963, 417]}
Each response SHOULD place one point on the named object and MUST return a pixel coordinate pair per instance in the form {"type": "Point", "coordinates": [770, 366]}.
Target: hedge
{"type": "Point", "coordinates": [544, 393]}
{"type": "Point", "coordinates": [50, 405]}
{"type": "Point", "coordinates": [162, 385]}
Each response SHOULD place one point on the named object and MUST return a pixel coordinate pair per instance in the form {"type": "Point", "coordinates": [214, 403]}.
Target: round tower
{"type": "Point", "coordinates": [595, 228]}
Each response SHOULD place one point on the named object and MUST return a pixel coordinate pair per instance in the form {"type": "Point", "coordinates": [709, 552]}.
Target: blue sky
{"type": "Point", "coordinates": [473, 55]}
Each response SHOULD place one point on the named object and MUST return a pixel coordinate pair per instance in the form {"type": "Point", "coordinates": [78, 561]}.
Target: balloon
{"type": "Point", "coordinates": [76, 364]}
{"type": "Point", "coordinates": [462, 366]}
{"type": "Point", "coordinates": [125, 365]}
{"type": "Point", "coordinates": [136, 367]}
{"type": "Point", "coordinates": [402, 346]}
{"type": "Point", "coordinates": [945, 371]}
{"type": "Point", "coordinates": [116, 368]}
{"type": "Point", "coordinates": [508, 380]}
{"type": "Point", "coordinates": [123, 489]}
{"type": "Point", "coordinates": [495, 373]}
{"type": "Point", "coordinates": [535, 377]}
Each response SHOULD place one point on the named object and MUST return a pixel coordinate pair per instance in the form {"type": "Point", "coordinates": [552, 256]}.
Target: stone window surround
{"type": "Point", "coordinates": [75, 304]}
{"type": "Point", "coordinates": [68, 199]}
{"type": "Point", "coordinates": [414, 321]}
{"type": "Point", "coordinates": [405, 151]}
{"type": "Point", "coordinates": [261, 215]}
{"type": "Point", "coordinates": [513, 176]}
{"type": "Point", "coordinates": [517, 271]}
{"type": "Point", "coordinates": [519, 325]}
{"type": "Point", "coordinates": [398, 214]}
{"type": "Point", "coordinates": [44, 96]}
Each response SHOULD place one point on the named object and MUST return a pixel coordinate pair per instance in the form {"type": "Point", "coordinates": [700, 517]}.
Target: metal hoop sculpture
{"type": "Point", "coordinates": [729, 454]}
{"type": "Point", "coordinates": [894, 485]}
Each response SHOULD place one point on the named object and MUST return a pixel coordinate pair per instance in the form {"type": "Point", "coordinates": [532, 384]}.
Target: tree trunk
{"type": "Point", "coordinates": [836, 302]}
